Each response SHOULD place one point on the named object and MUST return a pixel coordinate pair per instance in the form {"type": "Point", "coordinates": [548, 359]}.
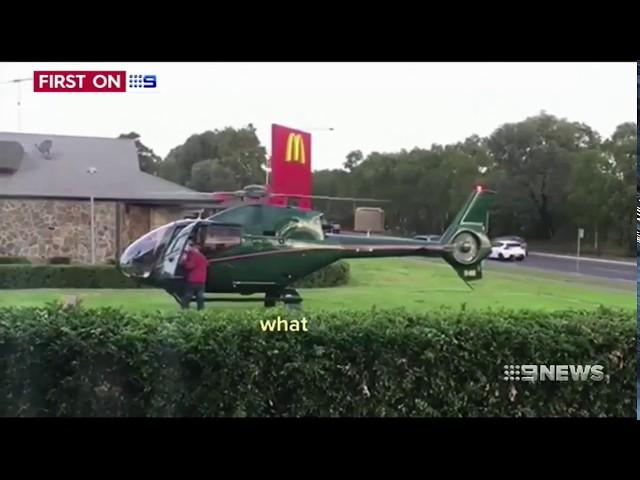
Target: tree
{"type": "Point", "coordinates": [210, 175]}
{"type": "Point", "coordinates": [589, 193]}
{"type": "Point", "coordinates": [237, 155]}
{"type": "Point", "coordinates": [621, 151]}
{"type": "Point", "coordinates": [535, 157]}
{"type": "Point", "coordinates": [353, 160]}
{"type": "Point", "coordinates": [333, 183]}
{"type": "Point", "coordinates": [147, 159]}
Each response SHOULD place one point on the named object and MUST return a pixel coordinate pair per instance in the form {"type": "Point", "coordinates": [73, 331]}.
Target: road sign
{"type": "Point", "coordinates": [580, 235]}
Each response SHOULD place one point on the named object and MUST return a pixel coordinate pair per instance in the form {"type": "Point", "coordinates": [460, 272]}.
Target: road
{"type": "Point", "coordinates": [612, 270]}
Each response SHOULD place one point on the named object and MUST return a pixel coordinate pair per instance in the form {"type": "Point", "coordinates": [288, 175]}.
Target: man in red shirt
{"type": "Point", "coordinates": [195, 265]}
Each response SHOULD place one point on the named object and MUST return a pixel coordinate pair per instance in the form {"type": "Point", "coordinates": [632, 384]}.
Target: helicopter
{"type": "Point", "coordinates": [257, 247]}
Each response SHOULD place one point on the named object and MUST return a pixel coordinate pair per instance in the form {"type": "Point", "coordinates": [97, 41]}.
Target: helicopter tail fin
{"type": "Point", "coordinates": [466, 237]}
{"type": "Point", "coordinates": [474, 214]}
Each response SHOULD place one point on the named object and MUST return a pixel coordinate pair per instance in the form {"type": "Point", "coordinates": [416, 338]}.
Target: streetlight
{"type": "Point", "coordinates": [18, 82]}
{"type": "Point", "coordinates": [318, 129]}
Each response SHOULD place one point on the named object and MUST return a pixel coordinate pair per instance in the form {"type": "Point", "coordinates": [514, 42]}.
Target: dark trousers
{"type": "Point", "coordinates": [189, 290]}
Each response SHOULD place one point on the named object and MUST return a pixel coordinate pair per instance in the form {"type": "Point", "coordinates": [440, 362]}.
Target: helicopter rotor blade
{"type": "Point", "coordinates": [325, 197]}
{"type": "Point", "coordinates": [200, 194]}
{"type": "Point", "coordinates": [263, 194]}
{"type": "Point", "coordinates": [195, 197]}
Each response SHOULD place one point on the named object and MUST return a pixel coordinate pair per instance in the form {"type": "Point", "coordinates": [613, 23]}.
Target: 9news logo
{"type": "Point", "coordinates": [143, 81]}
{"type": "Point", "coordinates": [553, 373]}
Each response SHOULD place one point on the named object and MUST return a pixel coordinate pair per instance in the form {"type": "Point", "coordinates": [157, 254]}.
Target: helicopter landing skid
{"type": "Point", "coordinates": [289, 297]}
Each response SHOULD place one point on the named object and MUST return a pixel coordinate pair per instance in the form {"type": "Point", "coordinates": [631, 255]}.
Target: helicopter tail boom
{"type": "Point", "coordinates": [464, 244]}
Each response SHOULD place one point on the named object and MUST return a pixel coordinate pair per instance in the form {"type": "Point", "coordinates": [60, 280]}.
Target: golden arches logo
{"type": "Point", "coordinates": [295, 148]}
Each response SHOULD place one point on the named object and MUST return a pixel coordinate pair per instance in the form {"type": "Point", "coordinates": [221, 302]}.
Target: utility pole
{"type": "Point", "coordinates": [18, 82]}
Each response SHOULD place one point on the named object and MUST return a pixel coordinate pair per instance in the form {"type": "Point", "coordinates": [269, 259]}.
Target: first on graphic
{"type": "Point", "coordinates": [90, 81]}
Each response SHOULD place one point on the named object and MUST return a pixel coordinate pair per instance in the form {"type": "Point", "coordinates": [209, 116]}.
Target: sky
{"type": "Point", "coordinates": [380, 107]}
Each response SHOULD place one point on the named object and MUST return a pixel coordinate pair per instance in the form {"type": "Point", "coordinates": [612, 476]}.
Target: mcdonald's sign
{"type": "Point", "coordinates": [295, 149]}
{"type": "Point", "coordinates": [290, 164]}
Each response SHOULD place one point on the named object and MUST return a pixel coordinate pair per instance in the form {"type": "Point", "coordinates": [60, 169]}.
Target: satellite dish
{"type": "Point", "coordinates": [45, 148]}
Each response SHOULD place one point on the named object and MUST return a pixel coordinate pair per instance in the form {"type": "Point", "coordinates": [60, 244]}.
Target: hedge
{"type": "Point", "coordinates": [333, 275]}
{"type": "Point", "coordinates": [107, 276]}
{"type": "Point", "coordinates": [63, 276]}
{"type": "Point", "coordinates": [14, 261]}
{"type": "Point", "coordinates": [60, 261]}
{"type": "Point", "coordinates": [446, 363]}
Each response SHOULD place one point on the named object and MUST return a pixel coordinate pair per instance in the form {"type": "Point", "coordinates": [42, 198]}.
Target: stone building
{"type": "Point", "coordinates": [51, 184]}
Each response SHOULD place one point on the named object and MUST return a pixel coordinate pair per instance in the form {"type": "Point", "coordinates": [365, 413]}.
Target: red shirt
{"type": "Point", "coordinates": [196, 265]}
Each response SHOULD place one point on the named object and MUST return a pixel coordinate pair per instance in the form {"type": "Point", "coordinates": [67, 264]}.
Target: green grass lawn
{"type": "Point", "coordinates": [415, 284]}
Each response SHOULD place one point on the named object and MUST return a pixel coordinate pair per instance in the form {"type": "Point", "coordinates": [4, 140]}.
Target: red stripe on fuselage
{"type": "Point", "coordinates": [369, 248]}
{"type": "Point", "coordinates": [270, 252]}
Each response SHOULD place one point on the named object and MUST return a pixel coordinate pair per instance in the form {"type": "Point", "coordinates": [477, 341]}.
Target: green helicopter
{"type": "Point", "coordinates": [261, 248]}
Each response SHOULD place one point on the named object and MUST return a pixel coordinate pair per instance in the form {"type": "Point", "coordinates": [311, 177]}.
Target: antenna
{"type": "Point", "coordinates": [18, 82]}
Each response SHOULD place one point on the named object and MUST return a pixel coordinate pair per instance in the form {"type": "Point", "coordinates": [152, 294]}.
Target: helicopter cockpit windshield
{"type": "Point", "coordinates": [140, 257]}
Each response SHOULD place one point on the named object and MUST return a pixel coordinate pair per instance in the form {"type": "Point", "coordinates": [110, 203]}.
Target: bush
{"type": "Point", "coordinates": [107, 276]}
{"type": "Point", "coordinates": [74, 362]}
{"type": "Point", "coordinates": [59, 261]}
{"type": "Point", "coordinates": [63, 276]}
{"type": "Point", "coordinates": [333, 275]}
{"type": "Point", "coordinates": [14, 261]}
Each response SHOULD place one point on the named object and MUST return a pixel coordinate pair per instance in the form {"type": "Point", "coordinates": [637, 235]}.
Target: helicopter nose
{"type": "Point", "coordinates": [140, 258]}
{"type": "Point", "coordinates": [132, 267]}
{"type": "Point", "coordinates": [125, 267]}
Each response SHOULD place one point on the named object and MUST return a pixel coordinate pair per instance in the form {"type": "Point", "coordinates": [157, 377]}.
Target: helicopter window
{"type": "Point", "coordinates": [150, 242]}
{"type": "Point", "coordinates": [175, 241]}
{"type": "Point", "coordinates": [215, 238]}
{"type": "Point", "coordinates": [142, 254]}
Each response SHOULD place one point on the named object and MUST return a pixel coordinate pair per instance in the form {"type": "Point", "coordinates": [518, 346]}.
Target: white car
{"type": "Point", "coordinates": [505, 250]}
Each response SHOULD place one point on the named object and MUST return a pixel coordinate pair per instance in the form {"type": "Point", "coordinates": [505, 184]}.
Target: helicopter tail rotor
{"type": "Point", "coordinates": [466, 240]}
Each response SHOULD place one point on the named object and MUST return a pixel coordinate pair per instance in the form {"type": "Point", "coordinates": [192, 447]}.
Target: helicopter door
{"type": "Point", "coordinates": [174, 251]}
